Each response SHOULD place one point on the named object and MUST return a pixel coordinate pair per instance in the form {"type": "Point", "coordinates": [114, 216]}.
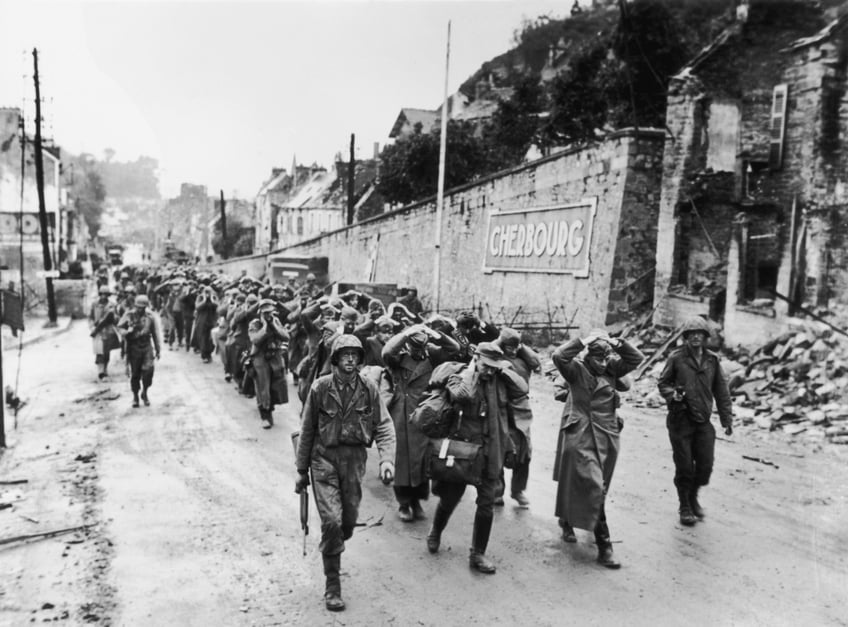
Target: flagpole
{"type": "Point", "coordinates": [440, 195]}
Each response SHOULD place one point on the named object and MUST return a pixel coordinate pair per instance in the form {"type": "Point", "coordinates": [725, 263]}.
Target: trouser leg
{"type": "Point", "coordinates": [602, 534]}
{"type": "Point", "coordinates": [680, 434]}
{"type": "Point", "coordinates": [520, 477]}
{"type": "Point", "coordinates": [336, 478]}
{"type": "Point", "coordinates": [703, 454]}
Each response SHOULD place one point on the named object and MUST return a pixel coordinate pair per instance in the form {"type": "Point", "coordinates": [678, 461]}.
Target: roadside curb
{"type": "Point", "coordinates": [63, 324]}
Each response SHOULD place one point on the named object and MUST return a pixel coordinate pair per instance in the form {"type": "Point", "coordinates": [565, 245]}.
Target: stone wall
{"type": "Point", "coordinates": [622, 173]}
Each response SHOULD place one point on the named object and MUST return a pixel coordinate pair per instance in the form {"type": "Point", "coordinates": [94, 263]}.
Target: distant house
{"type": "Point", "coordinates": [273, 192]}
{"type": "Point", "coordinates": [318, 203]}
{"type": "Point", "coordinates": [408, 119]}
{"type": "Point", "coordinates": [755, 173]}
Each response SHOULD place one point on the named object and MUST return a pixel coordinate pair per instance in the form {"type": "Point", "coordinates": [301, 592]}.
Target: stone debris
{"type": "Point", "coordinates": [797, 383]}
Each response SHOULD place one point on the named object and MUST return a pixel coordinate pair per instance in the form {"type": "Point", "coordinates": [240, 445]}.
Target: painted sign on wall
{"type": "Point", "coordinates": [11, 225]}
{"type": "Point", "coordinates": [553, 239]}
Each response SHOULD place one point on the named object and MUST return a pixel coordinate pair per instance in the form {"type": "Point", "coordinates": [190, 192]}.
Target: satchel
{"type": "Point", "coordinates": [456, 461]}
{"type": "Point", "coordinates": [434, 414]}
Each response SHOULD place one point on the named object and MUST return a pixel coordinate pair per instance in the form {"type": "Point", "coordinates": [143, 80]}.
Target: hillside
{"type": "Point", "coordinates": [698, 21]}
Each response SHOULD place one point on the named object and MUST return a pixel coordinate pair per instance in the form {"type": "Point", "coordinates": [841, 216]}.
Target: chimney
{"type": "Point", "coordinates": [376, 150]}
{"type": "Point", "coordinates": [742, 10]}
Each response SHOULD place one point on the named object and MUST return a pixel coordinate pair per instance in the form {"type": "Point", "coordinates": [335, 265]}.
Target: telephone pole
{"type": "Point", "coordinates": [224, 241]}
{"type": "Point", "coordinates": [42, 211]}
{"type": "Point", "coordinates": [351, 170]}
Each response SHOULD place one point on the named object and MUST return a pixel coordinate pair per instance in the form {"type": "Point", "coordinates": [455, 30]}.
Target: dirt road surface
{"type": "Point", "coordinates": [192, 520]}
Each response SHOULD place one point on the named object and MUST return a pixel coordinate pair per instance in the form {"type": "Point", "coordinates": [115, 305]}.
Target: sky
{"type": "Point", "coordinates": [221, 92]}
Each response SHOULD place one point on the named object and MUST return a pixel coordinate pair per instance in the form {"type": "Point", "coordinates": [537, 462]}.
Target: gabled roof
{"type": "Point", "coordinates": [412, 117]}
{"type": "Point", "coordinates": [272, 183]}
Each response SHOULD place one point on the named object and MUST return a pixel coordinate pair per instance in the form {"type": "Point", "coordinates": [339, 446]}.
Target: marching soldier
{"type": "Point", "coordinates": [343, 413]}
{"type": "Point", "coordinates": [138, 327]}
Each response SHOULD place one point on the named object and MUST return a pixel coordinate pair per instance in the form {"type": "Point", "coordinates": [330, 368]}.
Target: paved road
{"type": "Point", "coordinates": [197, 523]}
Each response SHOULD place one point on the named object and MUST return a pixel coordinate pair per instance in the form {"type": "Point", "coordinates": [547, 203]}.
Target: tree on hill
{"type": "Point", "coordinates": [87, 190]}
{"type": "Point", "coordinates": [410, 167]}
{"type": "Point", "coordinates": [515, 125]}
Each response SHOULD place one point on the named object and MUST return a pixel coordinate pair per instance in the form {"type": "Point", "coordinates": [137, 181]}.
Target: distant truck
{"type": "Point", "coordinates": [115, 255]}
{"type": "Point", "coordinates": [281, 268]}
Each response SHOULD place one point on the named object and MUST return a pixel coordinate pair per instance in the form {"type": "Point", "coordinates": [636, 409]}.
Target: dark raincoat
{"type": "Point", "coordinates": [587, 449]}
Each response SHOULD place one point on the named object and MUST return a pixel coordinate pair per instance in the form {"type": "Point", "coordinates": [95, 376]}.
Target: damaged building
{"type": "Point", "coordinates": [754, 198]}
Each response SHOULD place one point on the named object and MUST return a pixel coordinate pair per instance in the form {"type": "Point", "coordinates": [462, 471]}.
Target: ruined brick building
{"type": "Point", "coordinates": [754, 194]}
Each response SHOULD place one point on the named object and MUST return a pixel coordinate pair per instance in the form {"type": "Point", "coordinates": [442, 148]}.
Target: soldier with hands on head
{"type": "Point", "coordinates": [480, 395]}
{"type": "Point", "coordinates": [587, 450]}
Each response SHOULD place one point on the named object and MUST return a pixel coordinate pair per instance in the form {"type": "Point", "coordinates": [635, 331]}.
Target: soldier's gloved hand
{"type": "Point", "coordinates": [387, 472]}
{"type": "Point", "coordinates": [728, 430]}
{"type": "Point", "coordinates": [301, 482]}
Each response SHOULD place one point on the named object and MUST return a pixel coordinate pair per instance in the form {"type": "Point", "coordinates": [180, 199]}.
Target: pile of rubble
{"type": "Point", "coordinates": [796, 383]}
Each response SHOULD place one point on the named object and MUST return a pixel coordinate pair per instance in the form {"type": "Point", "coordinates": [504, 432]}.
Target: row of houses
{"type": "Point", "coordinates": [20, 231]}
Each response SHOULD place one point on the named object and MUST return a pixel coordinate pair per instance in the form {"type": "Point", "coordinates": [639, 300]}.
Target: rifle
{"type": "Point", "coordinates": [304, 499]}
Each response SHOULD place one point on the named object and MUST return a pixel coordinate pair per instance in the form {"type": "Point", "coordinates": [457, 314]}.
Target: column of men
{"type": "Point", "coordinates": [361, 370]}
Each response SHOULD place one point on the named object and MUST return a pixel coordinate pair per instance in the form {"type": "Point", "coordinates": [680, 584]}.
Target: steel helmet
{"type": "Point", "coordinates": [696, 324]}
{"type": "Point", "coordinates": [141, 301]}
{"type": "Point", "coordinates": [104, 291]}
{"type": "Point", "coordinates": [346, 341]}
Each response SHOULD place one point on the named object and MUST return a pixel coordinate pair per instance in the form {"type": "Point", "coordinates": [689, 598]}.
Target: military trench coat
{"type": "Point", "coordinates": [588, 444]}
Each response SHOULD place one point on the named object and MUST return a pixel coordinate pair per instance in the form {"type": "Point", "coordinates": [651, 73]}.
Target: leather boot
{"type": "Point", "coordinates": [567, 531]}
{"type": "Point", "coordinates": [440, 521]}
{"type": "Point", "coordinates": [135, 399]}
{"type": "Point", "coordinates": [605, 555]}
{"type": "Point", "coordinates": [694, 504]}
{"type": "Point", "coordinates": [333, 590]}
{"type": "Point", "coordinates": [479, 541]}
{"type": "Point", "coordinates": [686, 516]}
{"type": "Point", "coordinates": [144, 397]}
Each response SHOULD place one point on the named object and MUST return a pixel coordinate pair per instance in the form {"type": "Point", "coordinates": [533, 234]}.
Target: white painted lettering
{"type": "Point", "coordinates": [510, 251]}
{"type": "Point", "coordinates": [519, 240]}
{"type": "Point", "coordinates": [563, 238]}
{"type": "Point", "coordinates": [552, 239]}
{"type": "Point", "coordinates": [493, 242]}
{"type": "Point", "coordinates": [528, 242]}
{"type": "Point", "coordinates": [575, 241]}
{"type": "Point", "coordinates": [540, 239]}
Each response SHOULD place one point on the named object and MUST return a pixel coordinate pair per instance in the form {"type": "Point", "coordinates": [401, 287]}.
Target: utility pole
{"type": "Point", "coordinates": [351, 167]}
{"type": "Point", "coordinates": [42, 211]}
{"type": "Point", "coordinates": [224, 242]}
{"type": "Point", "coordinates": [440, 192]}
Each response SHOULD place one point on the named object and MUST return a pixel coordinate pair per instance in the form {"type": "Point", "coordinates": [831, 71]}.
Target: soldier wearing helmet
{"type": "Point", "coordinates": [141, 333]}
{"type": "Point", "coordinates": [342, 414]}
{"type": "Point", "coordinates": [691, 380]}
{"type": "Point", "coordinates": [102, 319]}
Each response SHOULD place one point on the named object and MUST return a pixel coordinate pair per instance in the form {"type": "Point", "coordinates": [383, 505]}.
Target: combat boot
{"type": "Point", "coordinates": [135, 399]}
{"type": "Point", "coordinates": [440, 521]}
{"type": "Point", "coordinates": [605, 555]}
{"type": "Point", "coordinates": [686, 516]}
{"type": "Point", "coordinates": [333, 590]}
{"type": "Point", "coordinates": [479, 541]}
{"type": "Point", "coordinates": [144, 398]}
{"type": "Point", "coordinates": [697, 510]}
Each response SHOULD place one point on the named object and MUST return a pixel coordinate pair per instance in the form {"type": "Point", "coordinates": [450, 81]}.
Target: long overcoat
{"type": "Point", "coordinates": [588, 445]}
{"type": "Point", "coordinates": [410, 378]}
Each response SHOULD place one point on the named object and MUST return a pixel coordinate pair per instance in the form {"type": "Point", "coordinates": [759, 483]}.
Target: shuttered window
{"type": "Point", "coordinates": [777, 130]}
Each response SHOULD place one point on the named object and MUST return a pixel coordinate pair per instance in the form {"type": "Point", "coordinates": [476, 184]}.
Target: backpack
{"type": "Point", "coordinates": [435, 414]}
